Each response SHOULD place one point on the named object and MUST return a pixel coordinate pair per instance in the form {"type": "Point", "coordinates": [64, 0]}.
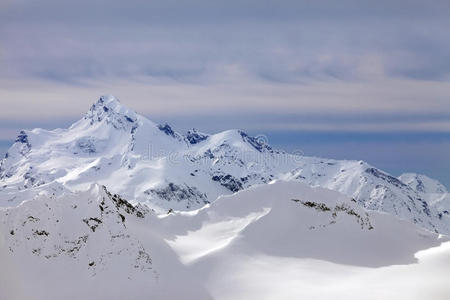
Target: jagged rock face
{"type": "Point", "coordinates": [169, 131]}
{"type": "Point", "coordinates": [73, 225]}
{"type": "Point", "coordinates": [231, 183]}
{"type": "Point", "coordinates": [261, 146]}
{"type": "Point", "coordinates": [109, 109]}
{"type": "Point", "coordinates": [434, 195]}
{"type": "Point", "coordinates": [94, 244]}
{"type": "Point", "coordinates": [195, 137]}
{"type": "Point", "coordinates": [153, 164]}
{"type": "Point", "coordinates": [373, 189]}
{"type": "Point", "coordinates": [423, 184]}
{"type": "Point", "coordinates": [362, 219]}
{"type": "Point", "coordinates": [188, 195]}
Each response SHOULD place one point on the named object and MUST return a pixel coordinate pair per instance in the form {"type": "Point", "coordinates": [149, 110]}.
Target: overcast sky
{"type": "Point", "coordinates": [342, 68]}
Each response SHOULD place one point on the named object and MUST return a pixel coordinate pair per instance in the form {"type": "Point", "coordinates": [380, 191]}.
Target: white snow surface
{"type": "Point", "coordinates": [154, 165]}
{"type": "Point", "coordinates": [283, 240]}
{"type": "Point", "coordinates": [118, 207]}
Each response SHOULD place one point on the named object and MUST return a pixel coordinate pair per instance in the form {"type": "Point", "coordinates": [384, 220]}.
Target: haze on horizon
{"type": "Point", "coordinates": [341, 79]}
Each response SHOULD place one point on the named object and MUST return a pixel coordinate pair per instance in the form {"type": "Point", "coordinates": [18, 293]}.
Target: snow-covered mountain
{"type": "Point", "coordinates": [423, 184]}
{"type": "Point", "coordinates": [432, 191]}
{"type": "Point", "coordinates": [88, 245]}
{"type": "Point", "coordinates": [154, 165]}
{"type": "Point", "coordinates": [277, 241]}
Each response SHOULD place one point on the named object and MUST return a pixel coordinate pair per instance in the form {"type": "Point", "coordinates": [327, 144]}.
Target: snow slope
{"type": "Point", "coordinates": [308, 222]}
{"type": "Point", "coordinates": [303, 243]}
{"type": "Point", "coordinates": [282, 240]}
{"type": "Point", "coordinates": [87, 245]}
{"type": "Point", "coordinates": [432, 191]}
{"type": "Point", "coordinates": [272, 278]}
{"type": "Point", "coordinates": [153, 164]}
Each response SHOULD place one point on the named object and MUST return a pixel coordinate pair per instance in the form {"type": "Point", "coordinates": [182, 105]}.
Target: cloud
{"type": "Point", "coordinates": [280, 41]}
{"type": "Point", "coordinates": [175, 59]}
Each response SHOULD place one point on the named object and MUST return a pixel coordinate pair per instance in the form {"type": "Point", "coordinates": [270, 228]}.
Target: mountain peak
{"type": "Point", "coordinates": [108, 103]}
{"type": "Point", "coordinates": [195, 137]}
{"type": "Point", "coordinates": [422, 183]}
{"type": "Point", "coordinates": [110, 109]}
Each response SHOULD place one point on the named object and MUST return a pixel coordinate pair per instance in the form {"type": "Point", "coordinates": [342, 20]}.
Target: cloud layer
{"type": "Point", "coordinates": [301, 55]}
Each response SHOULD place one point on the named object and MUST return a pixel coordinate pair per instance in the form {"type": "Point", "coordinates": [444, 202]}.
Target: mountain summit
{"type": "Point", "coordinates": [109, 108]}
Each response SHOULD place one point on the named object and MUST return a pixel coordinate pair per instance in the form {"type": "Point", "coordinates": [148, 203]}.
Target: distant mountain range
{"type": "Point", "coordinates": [155, 165]}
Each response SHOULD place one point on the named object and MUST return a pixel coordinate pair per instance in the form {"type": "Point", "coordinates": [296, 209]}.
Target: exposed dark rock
{"type": "Point", "coordinates": [425, 207]}
{"type": "Point", "coordinates": [22, 138]}
{"type": "Point", "coordinates": [129, 119]}
{"type": "Point", "coordinates": [256, 143]}
{"type": "Point", "coordinates": [364, 221]}
{"type": "Point", "coordinates": [386, 177]}
{"type": "Point", "coordinates": [420, 186]}
{"type": "Point", "coordinates": [87, 145]}
{"type": "Point", "coordinates": [173, 192]}
{"type": "Point", "coordinates": [168, 130]}
{"type": "Point", "coordinates": [122, 217]}
{"type": "Point", "coordinates": [41, 232]}
{"type": "Point", "coordinates": [195, 137]}
{"type": "Point", "coordinates": [125, 205]}
{"type": "Point", "coordinates": [92, 223]}
{"type": "Point", "coordinates": [231, 183]}
{"type": "Point", "coordinates": [316, 206]}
